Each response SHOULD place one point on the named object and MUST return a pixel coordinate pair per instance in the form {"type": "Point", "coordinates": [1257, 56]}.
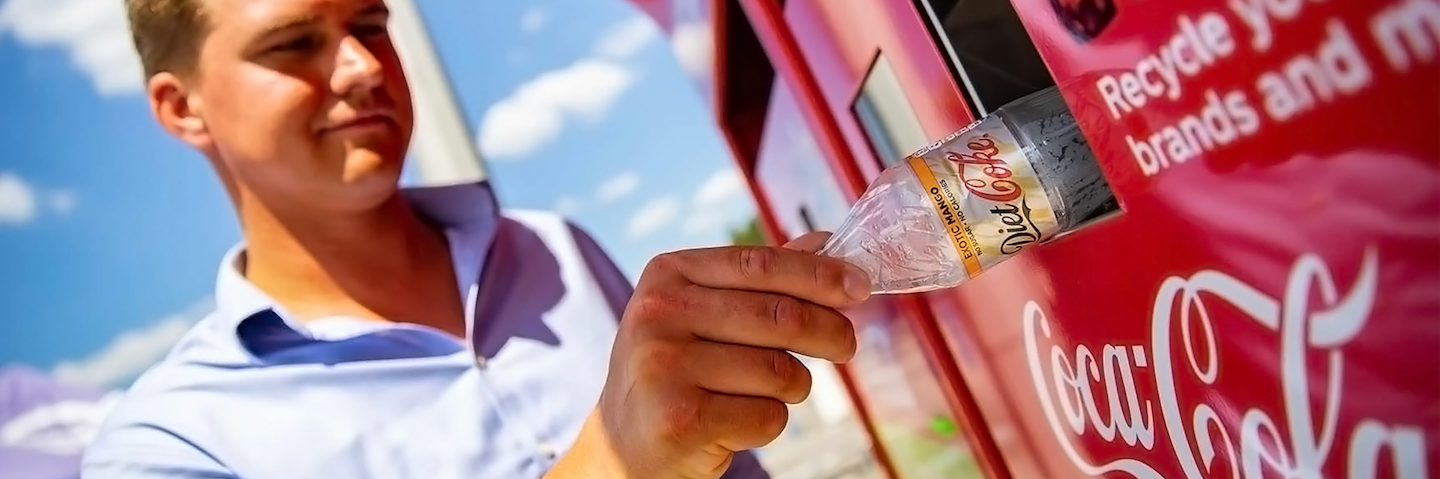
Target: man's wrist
{"type": "Point", "coordinates": [592, 456]}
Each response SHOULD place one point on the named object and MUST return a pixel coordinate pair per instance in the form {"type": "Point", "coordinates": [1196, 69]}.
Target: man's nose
{"type": "Point", "coordinates": [356, 70]}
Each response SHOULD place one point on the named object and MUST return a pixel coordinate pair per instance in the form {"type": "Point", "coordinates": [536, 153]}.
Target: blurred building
{"type": "Point", "coordinates": [45, 425]}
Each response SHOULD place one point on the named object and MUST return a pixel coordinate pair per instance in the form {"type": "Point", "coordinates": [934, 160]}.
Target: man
{"type": "Point", "coordinates": [362, 331]}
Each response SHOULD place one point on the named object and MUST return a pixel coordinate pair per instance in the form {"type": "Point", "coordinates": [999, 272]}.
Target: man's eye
{"type": "Point", "coordinates": [297, 45]}
{"type": "Point", "coordinates": [369, 30]}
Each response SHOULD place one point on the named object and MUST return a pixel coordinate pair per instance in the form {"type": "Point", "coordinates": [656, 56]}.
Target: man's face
{"type": "Point", "coordinates": [304, 101]}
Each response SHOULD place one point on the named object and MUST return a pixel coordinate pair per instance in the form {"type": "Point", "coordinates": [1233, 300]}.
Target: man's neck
{"type": "Point", "coordinates": [386, 264]}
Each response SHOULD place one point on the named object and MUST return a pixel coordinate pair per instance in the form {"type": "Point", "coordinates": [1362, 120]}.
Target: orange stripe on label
{"type": "Point", "coordinates": [951, 217]}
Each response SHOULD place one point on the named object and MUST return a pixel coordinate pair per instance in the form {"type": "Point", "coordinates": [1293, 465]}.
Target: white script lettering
{"type": "Point", "coordinates": [1252, 441]}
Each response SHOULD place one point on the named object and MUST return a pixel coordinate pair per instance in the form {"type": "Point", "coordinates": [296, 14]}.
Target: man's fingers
{"type": "Point", "coordinates": [809, 242]}
{"type": "Point", "coordinates": [772, 321]}
{"type": "Point", "coordinates": [814, 278]}
{"type": "Point", "coordinates": [744, 422]}
{"type": "Point", "coordinates": [749, 371]}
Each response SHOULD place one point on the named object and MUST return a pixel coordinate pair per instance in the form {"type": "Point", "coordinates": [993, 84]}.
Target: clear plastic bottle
{"type": "Point", "coordinates": [1019, 176]}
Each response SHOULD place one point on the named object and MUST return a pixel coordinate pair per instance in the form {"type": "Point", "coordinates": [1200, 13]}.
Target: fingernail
{"type": "Point", "coordinates": [857, 284]}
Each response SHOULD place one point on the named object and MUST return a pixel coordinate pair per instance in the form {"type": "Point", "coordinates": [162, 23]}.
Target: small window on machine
{"type": "Point", "coordinates": [884, 112]}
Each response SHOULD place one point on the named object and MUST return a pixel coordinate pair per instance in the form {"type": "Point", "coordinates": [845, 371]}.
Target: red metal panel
{"type": "Point", "coordinates": [789, 64]}
{"type": "Point", "coordinates": [839, 41]}
{"type": "Point", "coordinates": [1269, 299]}
{"type": "Point", "coordinates": [781, 176]}
{"type": "Point", "coordinates": [793, 174]}
{"type": "Point", "coordinates": [661, 11]}
{"type": "Point", "coordinates": [908, 403]}
{"type": "Point", "coordinates": [1265, 305]}
{"type": "Point", "coordinates": [785, 178]}
{"type": "Point", "coordinates": [909, 337]}
{"type": "Point", "coordinates": [916, 62]}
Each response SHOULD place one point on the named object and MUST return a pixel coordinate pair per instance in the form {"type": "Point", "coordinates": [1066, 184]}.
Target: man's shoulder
{"type": "Point", "coordinates": [144, 423]}
{"type": "Point", "coordinates": [181, 376]}
{"type": "Point", "coordinates": [207, 342]}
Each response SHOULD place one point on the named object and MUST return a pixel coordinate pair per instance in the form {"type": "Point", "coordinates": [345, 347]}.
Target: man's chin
{"type": "Point", "coordinates": [363, 193]}
{"type": "Point", "coordinates": [367, 166]}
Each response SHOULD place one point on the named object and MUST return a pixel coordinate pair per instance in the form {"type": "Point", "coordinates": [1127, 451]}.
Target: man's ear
{"type": "Point", "coordinates": [179, 110]}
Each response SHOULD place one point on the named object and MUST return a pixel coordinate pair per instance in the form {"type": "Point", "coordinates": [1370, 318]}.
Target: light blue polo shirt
{"type": "Point", "coordinates": [250, 394]}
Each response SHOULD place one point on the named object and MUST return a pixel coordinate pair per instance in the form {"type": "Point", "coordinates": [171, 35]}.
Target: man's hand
{"type": "Point", "coordinates": [702, 368]}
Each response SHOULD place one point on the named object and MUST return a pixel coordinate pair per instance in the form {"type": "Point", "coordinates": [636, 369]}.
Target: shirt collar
{"type": "Point", "coordinates": [467, 212]}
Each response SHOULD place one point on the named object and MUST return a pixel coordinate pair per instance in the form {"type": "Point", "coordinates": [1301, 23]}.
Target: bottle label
{"type": "Point", "coordinates": [987, 194]}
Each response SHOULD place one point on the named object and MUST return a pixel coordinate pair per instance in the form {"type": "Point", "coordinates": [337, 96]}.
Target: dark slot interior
{"type": "Point", "coordinates": [745, 83]}
{"type": "Point", "coordinates": [991, 49]}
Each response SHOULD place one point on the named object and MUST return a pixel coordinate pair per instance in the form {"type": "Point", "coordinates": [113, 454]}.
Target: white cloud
{"type": "Point", "coordinates": [707, 212]}
{"type": "Point", "coordinates": [626, 38]}
{"type": "Point", "coordinates": [21, 202]}
{"type": "Point", "coordinates": [565, 205]}
{"type": "Point", "coordinates": [652, 216]}
{"type": "Point", "coordinates": [721, 185]}
{"type": "Point", "coordinates": [538, 110]}
{"type": "Point", "coordinates": [62, 428]}
{"type": "Point", "coordinates": [93, 32]}
{"type": "Point", "coordinates": [702, 221]}
{"type": "Point", "coordinates": [17, 200]}
{"type": "Point", "coordinates": [131, 352]}
{"type": "Point", "coordinates": [694, 48]}
{"type": "Point", "coordinates": [618, 186]}
{"type": "Point", "coordinates": [62, 202]}
{"type": "Point", "coordinates": [534, 19]}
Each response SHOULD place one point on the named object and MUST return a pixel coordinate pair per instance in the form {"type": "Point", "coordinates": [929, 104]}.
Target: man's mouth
{"type": "Point", "coordinates": [371, 121]}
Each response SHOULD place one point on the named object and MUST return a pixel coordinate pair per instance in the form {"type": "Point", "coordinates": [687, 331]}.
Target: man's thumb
{"type": "Point", "coordinates": [809, 242]}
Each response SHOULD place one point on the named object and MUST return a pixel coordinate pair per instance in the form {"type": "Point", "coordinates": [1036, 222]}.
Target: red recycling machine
{"type": "Point", "coordinates": [1264, 304]}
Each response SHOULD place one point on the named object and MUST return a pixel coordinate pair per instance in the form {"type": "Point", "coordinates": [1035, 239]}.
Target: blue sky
{"type": "Point", "coordinates": [110, 231]}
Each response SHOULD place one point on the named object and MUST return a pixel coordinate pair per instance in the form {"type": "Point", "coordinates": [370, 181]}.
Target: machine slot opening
{"type": "Point", "coordinates": [990, 53]}
{"type": "Point", "coordinates": [995, 63]}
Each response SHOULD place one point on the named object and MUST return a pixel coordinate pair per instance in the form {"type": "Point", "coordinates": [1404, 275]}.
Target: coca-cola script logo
{"type": "Point", "coordinates": [1255, 445]}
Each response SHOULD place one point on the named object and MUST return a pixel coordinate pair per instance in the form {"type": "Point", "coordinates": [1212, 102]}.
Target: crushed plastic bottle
{"type": "Point", "coordinates": [1020, 176]}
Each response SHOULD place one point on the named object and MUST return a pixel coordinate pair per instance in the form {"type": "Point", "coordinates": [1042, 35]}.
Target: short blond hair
{"type": "Point", "coordinates": [167, 34]}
